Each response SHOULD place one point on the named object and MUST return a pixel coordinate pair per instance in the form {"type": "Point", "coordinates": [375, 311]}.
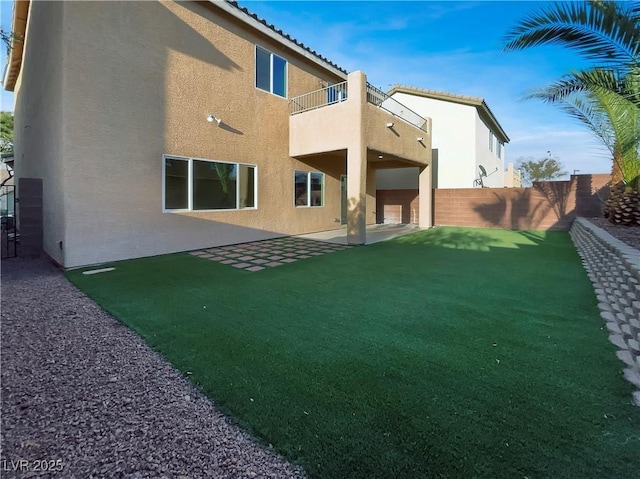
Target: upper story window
{"type": "Point", "coordinates": [490, 140]}
{"type": "Point", "coordinates": [271, 72]}
{"type": "Point", "coordinates": [500, 146]}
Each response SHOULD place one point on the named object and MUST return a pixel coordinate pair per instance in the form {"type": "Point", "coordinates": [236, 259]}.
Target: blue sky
{"type": "Point", "coordinates": [453, 46]}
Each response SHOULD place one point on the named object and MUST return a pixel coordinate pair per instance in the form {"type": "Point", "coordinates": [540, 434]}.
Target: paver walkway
{"type": "Point", "coordinates": [259, 255]}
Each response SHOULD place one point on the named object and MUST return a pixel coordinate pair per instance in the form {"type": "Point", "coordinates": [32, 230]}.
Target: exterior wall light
{"type": "Point", "coordinates": [389, 125]}
{"type": "Point", "coordinates": [212, 118]}
{"type": "Point", "coordinates": [420, 139]}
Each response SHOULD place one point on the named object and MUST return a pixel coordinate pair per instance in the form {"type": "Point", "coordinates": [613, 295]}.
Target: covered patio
{"type": "Point", "coordinates": [356, 123]}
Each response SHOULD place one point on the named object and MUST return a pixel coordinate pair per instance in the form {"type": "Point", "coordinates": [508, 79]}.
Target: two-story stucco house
{"type": "Point", "coordinates": [159, 127]}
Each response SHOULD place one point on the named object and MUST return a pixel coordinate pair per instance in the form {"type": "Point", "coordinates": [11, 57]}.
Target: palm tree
{"type": "Point", "coordinates": [606, 98]}
{"type": "Point", "coordinates": [604, 103]}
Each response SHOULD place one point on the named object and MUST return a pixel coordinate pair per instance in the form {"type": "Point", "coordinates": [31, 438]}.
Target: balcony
{"type": "Point", "coordinates": [355, 123]}
{"type": "Point", "coordinates": [338, 93]}
{"type": "Point", "coordinates": [354, 111]}
{"type": "Point", "coordinates": [320, 98]}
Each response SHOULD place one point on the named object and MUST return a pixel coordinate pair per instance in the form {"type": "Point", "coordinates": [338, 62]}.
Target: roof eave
{"type": "Point", "coordinates": [476, 102]}
{"type": "Point", "coordinates": [16, 49]}
{"type": "Point", "coordinates": [253, 22]}
{"type": "Point", "coordinates": [19, 24]}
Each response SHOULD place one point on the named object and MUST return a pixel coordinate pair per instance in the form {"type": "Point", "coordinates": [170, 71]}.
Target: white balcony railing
{"type": "Point", "coordinates": [337, 93]}
{"type": "Point", "coordinates": [380, 99]}
{"type": "Point", "coordinates": [329, 95]}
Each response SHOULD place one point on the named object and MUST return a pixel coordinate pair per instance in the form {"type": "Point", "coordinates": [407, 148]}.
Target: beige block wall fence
{"type": "Point", "coordinates": [614, 269]}
{"type": "Point", "coordinates": [548, 205]}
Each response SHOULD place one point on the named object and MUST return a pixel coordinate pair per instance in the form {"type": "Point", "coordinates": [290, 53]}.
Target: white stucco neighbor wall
{"type": "Point", "coordinates": [461, 138]}
{"type": "Point", "coordinates": [487, 156]}
{"type": "Point", "coordinates": [452, 123]}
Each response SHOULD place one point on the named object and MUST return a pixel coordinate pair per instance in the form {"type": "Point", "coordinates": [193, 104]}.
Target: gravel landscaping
{"type": "Point", "coordinates": [627, 234]}
{"type": "Point", "coordinates": [83, 396]}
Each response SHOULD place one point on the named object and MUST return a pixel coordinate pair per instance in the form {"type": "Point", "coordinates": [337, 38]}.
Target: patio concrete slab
{"type": "Point", "coordinates": [289, 249]}
{"type": "Point", "coordinates": [375, 234]}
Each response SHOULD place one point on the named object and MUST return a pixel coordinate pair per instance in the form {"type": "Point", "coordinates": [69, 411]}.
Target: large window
{"type": "Point", "coordinates": [309, 188]}
{"type": "Point", "coordinates": [194, 185]}
{"type": "Point", "coordinates": [271, 72]}
{"type": "Point", "coordinates": [490, 140]}
{"type": "Point", "coordinates": [500, 146]}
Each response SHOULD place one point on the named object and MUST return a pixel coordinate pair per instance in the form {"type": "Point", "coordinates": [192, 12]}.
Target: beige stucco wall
{"type": "Point", "coordinates": [369, 137]}
{"type": "Point", "coordinates": [334, 127]}
{"type": "Point", "coordinates": [39, 115]}
{"type": "Point", "coordinates": [401, 140]}
{"type": "Point", "coordinates": [140, 79]}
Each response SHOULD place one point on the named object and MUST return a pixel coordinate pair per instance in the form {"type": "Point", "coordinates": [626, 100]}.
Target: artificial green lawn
{"type": "Point", "coordinates": [446, 353]}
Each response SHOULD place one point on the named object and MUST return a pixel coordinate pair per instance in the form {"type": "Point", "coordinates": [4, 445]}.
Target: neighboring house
{"type": "Point", "coordinates": [466, 135]}
{"type": "Point", "coordinates": [159, 127]}
{"type": "Point", "coordinates": [468, 151]}
{"type": "Point", "coordinates": [512, 177]}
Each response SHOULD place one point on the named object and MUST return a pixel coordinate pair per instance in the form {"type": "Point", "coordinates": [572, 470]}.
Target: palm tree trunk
{"type": "Point", "coordinates": [617, 176]}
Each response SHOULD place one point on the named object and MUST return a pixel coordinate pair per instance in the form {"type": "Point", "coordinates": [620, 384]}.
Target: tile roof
{"type": "Point", "coordinates": [285, 36]}
{"type": "Point", "coordinates": [475, 101]}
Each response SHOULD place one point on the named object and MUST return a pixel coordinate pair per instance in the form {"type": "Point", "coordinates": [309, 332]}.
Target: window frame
{"type": "Point", "coordinates": [190, 161]}
{"type": "Point", "coordinates": [308, 175]}
{"type": "Point", "coordinates": [271, 72]}
{"type": "Point", "coordinates": [164, 184]}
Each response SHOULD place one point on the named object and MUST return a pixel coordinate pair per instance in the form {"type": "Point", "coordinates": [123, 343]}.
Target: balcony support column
{"type": "Point", "coordinates": [356, 196]}
{"type": "Point", "coordinates": [425, 192]}
{"type": "Point", "coordinates": [357, 161]}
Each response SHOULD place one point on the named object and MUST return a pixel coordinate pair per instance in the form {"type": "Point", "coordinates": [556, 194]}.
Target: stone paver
{"type": "Point", "coordinates": [261, 255]}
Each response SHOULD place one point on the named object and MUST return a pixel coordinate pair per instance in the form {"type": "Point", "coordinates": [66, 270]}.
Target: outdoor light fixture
{"type": "Point", "coordinates": [212, 118]}
{"type": "Point", "coordinates": [389, 125]}
{"type": "Point", "coordinates": [420, 138]}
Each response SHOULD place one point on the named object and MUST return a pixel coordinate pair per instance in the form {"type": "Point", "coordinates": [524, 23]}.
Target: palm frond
{"type": "Point", "coordinates": [599, 80]}
{"type": "Point", "coordinates": [603, 31]}
{"type": "Point", "coordinates": [609, 114]}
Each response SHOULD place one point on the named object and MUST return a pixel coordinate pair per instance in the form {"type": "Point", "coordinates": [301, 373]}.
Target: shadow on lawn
{"type": "Point", "coordinates": [535, 238]}
{"type": "Point", "coordinates": [451, 238]}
